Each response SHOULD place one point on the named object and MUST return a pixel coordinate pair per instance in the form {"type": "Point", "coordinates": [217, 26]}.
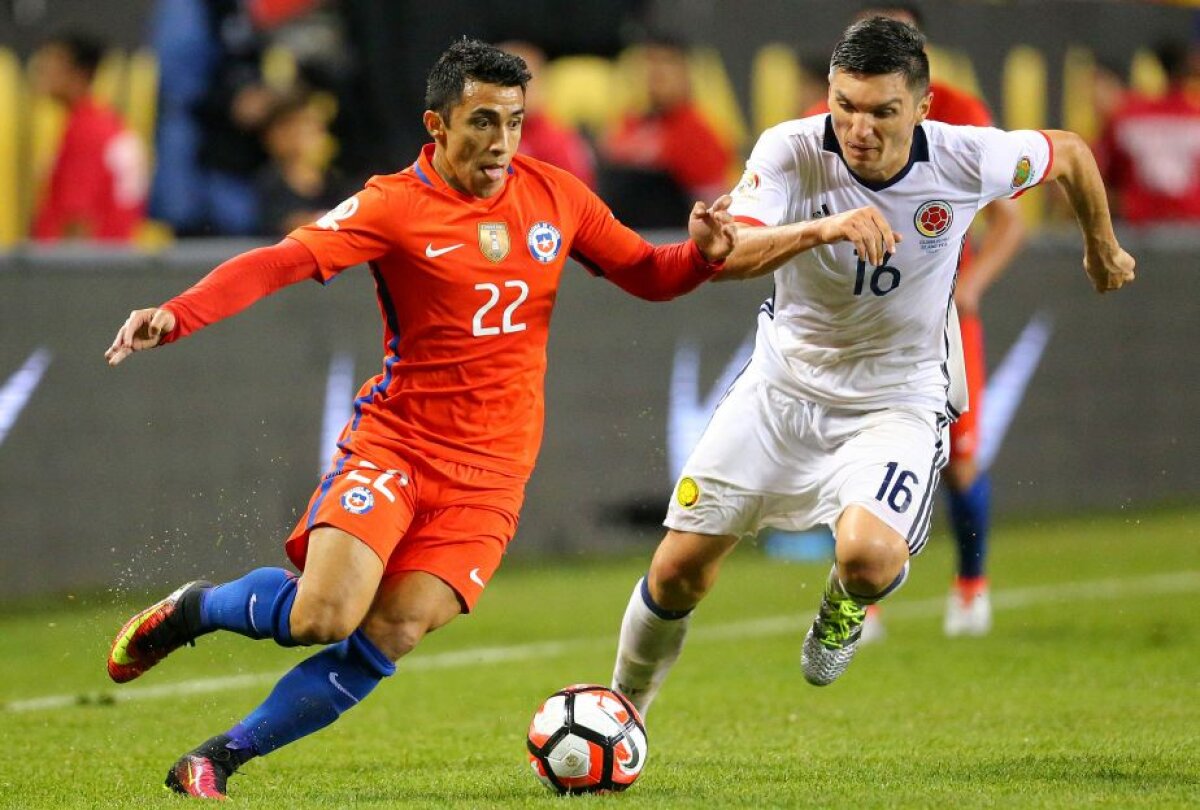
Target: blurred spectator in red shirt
{"type": "Point", "coordinates": [541, 136]}
{"type": "Point", "coordinates": [297, 186]}
{"type": "Point", "coordinates": [1150, 149]}
{"type": "Point", "coordinates": [97, 187]}
{"type": "Point", "coordinates": [657, 164]}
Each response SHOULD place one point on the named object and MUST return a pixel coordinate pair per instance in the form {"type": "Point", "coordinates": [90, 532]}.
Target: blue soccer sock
{"type": "Point", "coordinates": [970, 511]}
{"type": "Point", "coordinates": [312, 695]}
{"type": "Point", "coordinates": [258, 605]}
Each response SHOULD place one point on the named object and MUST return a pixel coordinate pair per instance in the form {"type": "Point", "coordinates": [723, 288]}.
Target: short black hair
{"type": "Point", "coordinates": [471, 59]}
{"type": "Point", "coordinates": [879, 46]}
{"type": "Point", "coordinates": [1172, 54]}
{"type": "Point", "coordinates": [84, 52]}
{"type": "Point", "coordinates": [911, 9]}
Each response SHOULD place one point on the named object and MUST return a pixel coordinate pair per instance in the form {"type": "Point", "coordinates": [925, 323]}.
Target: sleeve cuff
{"type": "Point", "coordinates": [703, 264]}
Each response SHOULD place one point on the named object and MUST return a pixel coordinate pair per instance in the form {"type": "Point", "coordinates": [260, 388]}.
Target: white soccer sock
{"type": "Point", "coordinates": [651, 640]}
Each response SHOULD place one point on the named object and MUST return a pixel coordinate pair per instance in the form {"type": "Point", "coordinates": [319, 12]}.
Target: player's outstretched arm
{"type": "Point", "coordinates": [762, 250]}
{"type": "Point", "coordinates": [227, 290]}
{"type": "Point", "coordinates": [1107, 265]}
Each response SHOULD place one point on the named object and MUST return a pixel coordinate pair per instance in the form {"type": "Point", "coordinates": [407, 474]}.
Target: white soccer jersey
{"type": "Point", "coordinates": [845, 334]}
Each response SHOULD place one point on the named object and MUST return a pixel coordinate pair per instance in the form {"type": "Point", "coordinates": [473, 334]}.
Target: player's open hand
{"type": "Point", "coordinates": [711, 228]}
{"type": "Point", "coordinates": [865, 228]}
{"type": "Point", "coordinates": [1109, 270]}
{"type": "Point", "coordinates": [143, 329]}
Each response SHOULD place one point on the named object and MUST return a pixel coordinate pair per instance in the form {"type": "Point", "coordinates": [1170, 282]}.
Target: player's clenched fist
{"type": "Point", "coordinates": [711, 228]}
{"type": "Point", "coordinates": [865, 228]}
{"type": "Point", "coordinates": [1109, 271]}
{"type": "Point", "coordinates": [143, 329]}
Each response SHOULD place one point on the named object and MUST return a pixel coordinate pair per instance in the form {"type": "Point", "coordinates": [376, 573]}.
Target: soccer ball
{"type": "Point", "coordinates": [586, 739]}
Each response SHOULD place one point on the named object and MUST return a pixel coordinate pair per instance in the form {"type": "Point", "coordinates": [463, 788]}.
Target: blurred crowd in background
{"type": "Point", "coordinates": [250, 117]}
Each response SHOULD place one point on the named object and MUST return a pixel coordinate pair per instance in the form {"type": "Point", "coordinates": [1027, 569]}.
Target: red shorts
{"type": "Point", "coordinates": [450, 520]}
{"type": "Point", "coordinates": [964, 433]}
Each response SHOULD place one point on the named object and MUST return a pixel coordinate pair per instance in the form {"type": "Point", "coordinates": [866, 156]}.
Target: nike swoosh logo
{"type": "Point", "coordinates": [474, 575]}
{"type": "Point", "coordinates": [253, 600]}
{"type": "Point", "coordinates": [433, 254]}
{"type": "Point", "coordinates": [333, 679]}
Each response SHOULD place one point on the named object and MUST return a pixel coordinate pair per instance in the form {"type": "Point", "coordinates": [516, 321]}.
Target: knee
{"type": "Point", "coordinates": [321, 621]}
{"type": "Point", "coordinates": [679, 582]}
{"type": "Point", "coordinates": [396, 637]}
{"type": "Point", "coordinates": [868, 562]}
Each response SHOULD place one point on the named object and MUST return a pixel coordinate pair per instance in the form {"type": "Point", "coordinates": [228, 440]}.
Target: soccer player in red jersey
{"type": "Point", "coordinates": [968, 607]}
{"type": "Point", "coordinates": [466, 246]}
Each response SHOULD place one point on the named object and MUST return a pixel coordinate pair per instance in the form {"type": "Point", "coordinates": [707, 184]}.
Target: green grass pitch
{"type": "Point", "coordinates": [1087, 693]}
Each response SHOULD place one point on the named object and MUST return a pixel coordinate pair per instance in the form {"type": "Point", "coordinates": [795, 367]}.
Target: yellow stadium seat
{"type": "Point", "coordinates": [43, 124]}
{"type": "Point", "coordinates": [1078, 110]}
{"type": "Point", "coordinates": [580, 92]}
{"type": "Point", "coordinates": [953, 67]}
{"type": "Point", "coordinates": [141, 105]}
{"type": "Point", "coordinates": [109, 84]}
{"type": "Point", "coordinates": [774, 86]}
{"type": "Point", "coordinates": [1025, 108]}
{"type": "Point", "coordinates": [279, 68]}
{"type": "Point", "coordinates": [715, 96]}
{"type": "Point", "coordinates": [1146, 74]}
{"type": "Point", "coordinates": [11, 224]}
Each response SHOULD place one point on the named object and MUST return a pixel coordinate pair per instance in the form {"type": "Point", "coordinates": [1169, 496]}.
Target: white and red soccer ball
{"type": "Point", "coordinates": [587, 739]}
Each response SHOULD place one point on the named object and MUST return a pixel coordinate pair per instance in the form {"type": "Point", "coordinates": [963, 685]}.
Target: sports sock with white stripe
{"type": "Point", "coordinates": [651, 641]}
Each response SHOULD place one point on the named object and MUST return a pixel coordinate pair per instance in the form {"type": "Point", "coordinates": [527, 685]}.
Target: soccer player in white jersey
{"type": "Point", "coordinates": [840, 416]}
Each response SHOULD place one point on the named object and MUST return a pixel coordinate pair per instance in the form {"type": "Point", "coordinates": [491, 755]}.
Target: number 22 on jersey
{"type": "Point", "coordinates": [515, 292]}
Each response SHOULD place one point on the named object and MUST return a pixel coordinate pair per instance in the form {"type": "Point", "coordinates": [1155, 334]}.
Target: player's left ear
{"type": "Point", "coordinates": [923, 105]}
{"type": "Point", "coordinates": [435, 126]}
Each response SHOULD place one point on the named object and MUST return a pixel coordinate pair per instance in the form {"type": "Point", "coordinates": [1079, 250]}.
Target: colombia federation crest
{"type": "Point", "coordinates": [545, 242]}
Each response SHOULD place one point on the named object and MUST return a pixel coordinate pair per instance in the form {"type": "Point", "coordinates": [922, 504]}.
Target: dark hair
{"type": "Point", "coordinates": [911, 9]}
{"type": "Point", "coordinates": [658, 38]}
{"type": "Point", "coordinates": [470, 59]}
{"type": "Point", "coordinates": [285, 106]}
{"type": "Point", "coordinates": [85, 52]}
{"type": "Point", "coordinates": [1172, 54]}
{"type": "Point", "coordinates": [879, 46]}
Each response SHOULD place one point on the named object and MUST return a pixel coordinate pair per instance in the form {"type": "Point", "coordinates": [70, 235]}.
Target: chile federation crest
{"type": "Point", "coordinates": [545, 242]}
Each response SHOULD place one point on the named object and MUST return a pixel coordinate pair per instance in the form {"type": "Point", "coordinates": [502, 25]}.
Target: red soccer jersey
{"type": "Point", "coordinates": [557, 145]}
{"type": "Point", "coordinates": [679, 142]}
{"type": "Point", "coordinates": [1150, 154]}
{"type": "Point", "coordinates": [99, 180]}
{"type": "Point", "coordinates": [466, 287]}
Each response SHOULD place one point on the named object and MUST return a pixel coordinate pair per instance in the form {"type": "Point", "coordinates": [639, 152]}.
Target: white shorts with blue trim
{"type": "Point", "coordinates": [769, 459]}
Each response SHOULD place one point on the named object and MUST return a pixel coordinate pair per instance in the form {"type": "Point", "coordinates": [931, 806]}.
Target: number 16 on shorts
{"type": "Point", "coordinates": [895, 490]}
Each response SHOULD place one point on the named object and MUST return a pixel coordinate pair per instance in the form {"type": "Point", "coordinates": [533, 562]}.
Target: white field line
{"type": "Point", "coordinates": [1014, 599]}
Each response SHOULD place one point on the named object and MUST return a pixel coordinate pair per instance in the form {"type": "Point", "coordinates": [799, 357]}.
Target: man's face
{"type": "Point", "coordinates": [53, 72]}
{"type": "Point", "coordinates": [873, 118]}
{"type": "Point", "coordinates": [475, 146]}
{"type": "Point", "coordinates": [667, 81]}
